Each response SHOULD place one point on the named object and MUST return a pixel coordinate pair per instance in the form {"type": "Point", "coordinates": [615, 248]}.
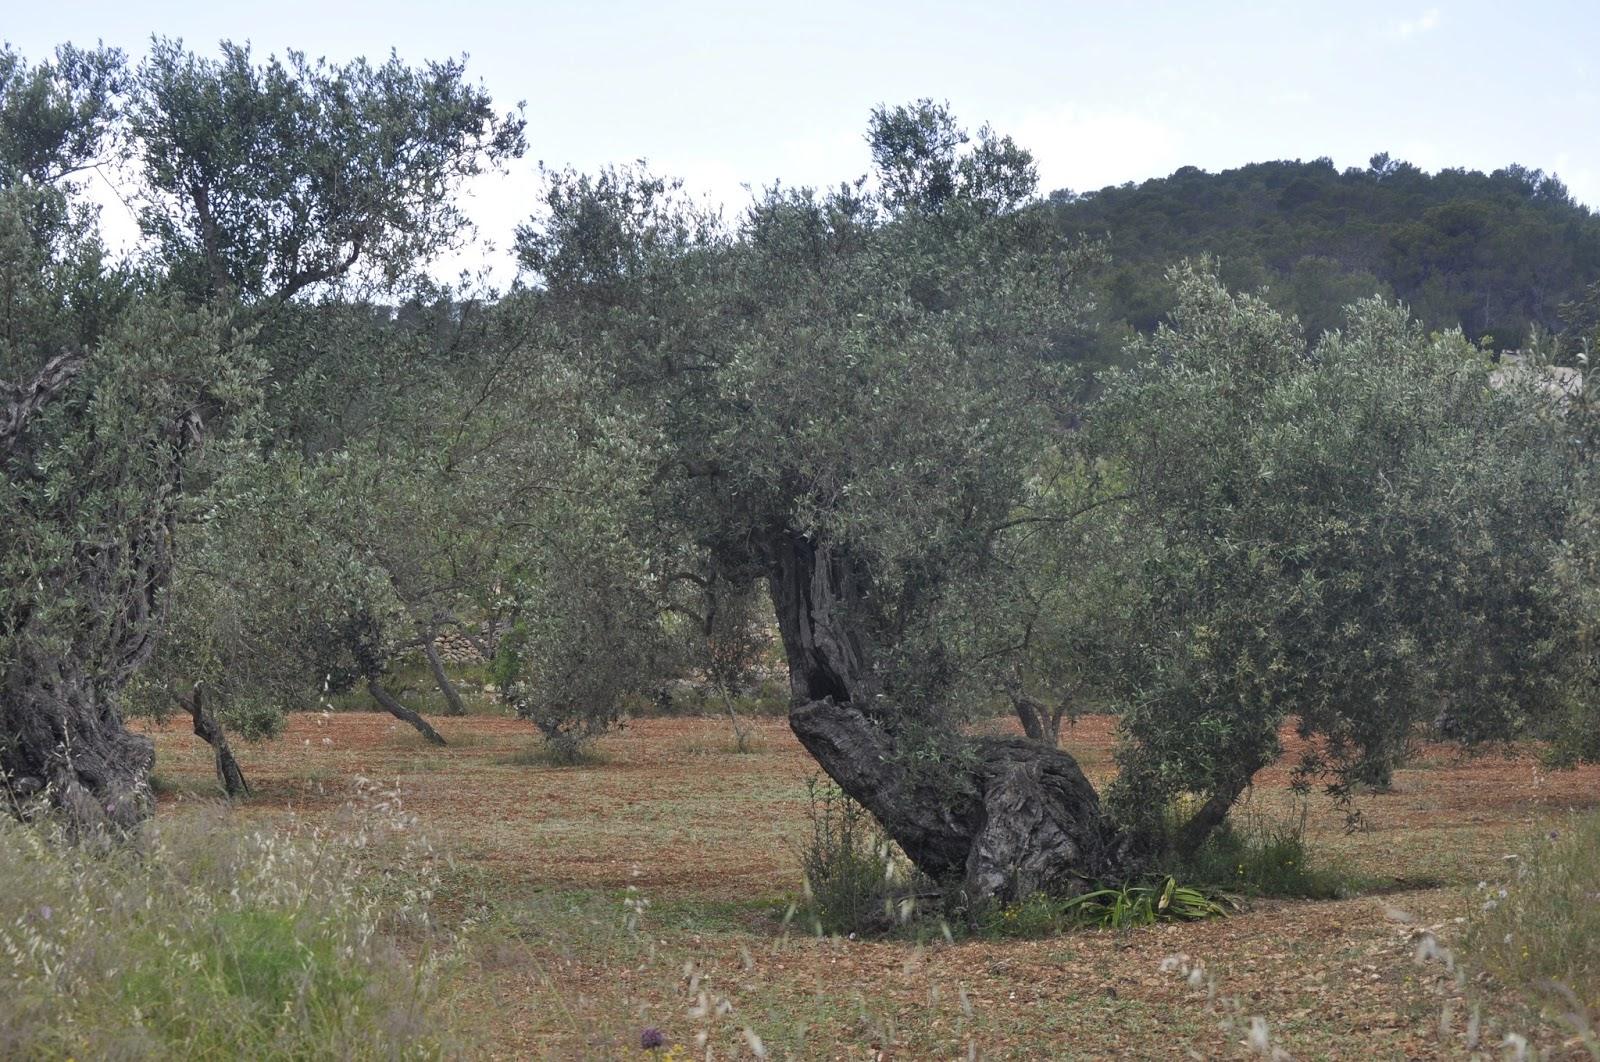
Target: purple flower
{"type": "Point", "coordinates": [651, 1038]}
{"type": "Point", "coordinates": [1554, 834]}
{"type": "Point", "coordinates": [45, 912]}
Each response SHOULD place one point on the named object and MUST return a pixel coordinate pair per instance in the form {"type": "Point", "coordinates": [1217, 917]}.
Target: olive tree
{"type": "Point", "coordinates": [261, 185]}
{"type": "Point", "coordinates": [851, 396]}
{"type": "Point", "coordinates": [1365, 537]}
{"type": "Point", "coordinates": [842, 397]}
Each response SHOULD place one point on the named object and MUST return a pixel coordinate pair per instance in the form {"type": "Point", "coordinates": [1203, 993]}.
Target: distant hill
{"type": "Point", "coordinates": [1493, 253]}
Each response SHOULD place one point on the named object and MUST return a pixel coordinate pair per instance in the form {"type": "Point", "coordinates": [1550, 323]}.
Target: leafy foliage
{"type": "Point", "coordinates": [865, 368]}
{"type": "Point", "coordinates": [1363, 536]}
{"type": "Point", "coordinates": [268, 179]}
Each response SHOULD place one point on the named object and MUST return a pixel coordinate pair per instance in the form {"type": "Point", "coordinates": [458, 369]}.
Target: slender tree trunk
{"type": "Point", "coordinates": [451, 697]}
{"type": "Point", "coordinates": [740, 736]}
{"type": "Point", "coordinates": [1005, 817]}
{"type": "Point", "coordinates": [1213, 813]}
{"type": "Point", "coordinates": [1031, 714]}
{"type": "Point", "coordinates": [400, 711]}
{"type": "Point", "coordinates": [1038, 722]}
{"type": "Point", "coordinates": [209, 730]}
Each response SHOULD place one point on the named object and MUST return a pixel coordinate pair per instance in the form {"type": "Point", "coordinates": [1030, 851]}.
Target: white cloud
{"type": "Point", "coordinates": [1086, 149]}
{"type": "Point", "coordinates": [1413, 27]}
{"type": "Point", "coordinates": [1582, 181]}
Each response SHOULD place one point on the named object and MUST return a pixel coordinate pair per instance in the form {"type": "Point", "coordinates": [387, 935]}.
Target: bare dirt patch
{"type": "Point", "coordinates": [545, 858]}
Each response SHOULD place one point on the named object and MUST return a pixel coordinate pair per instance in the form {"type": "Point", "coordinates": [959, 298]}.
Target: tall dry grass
{"type": "Point", "coordinates": [204, 937]}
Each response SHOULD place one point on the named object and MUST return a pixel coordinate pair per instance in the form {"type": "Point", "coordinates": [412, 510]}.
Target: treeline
{"type": "Point", "coordinates": [1496, 254]}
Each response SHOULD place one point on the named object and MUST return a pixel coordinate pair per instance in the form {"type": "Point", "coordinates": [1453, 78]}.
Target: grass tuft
{"type": "Point", "coordinates": [200, 938]}
{"type": "Point", "coordinates": [1255, 855]}
{"type": "Point", "coordinates": [857, 882]}
{"type": "Point", "coordinates": [1541, 930]}
{"type": "Point", "coordinates": [555, 754]}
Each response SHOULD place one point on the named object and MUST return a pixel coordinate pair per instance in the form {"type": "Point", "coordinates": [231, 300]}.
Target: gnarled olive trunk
{"type": "Point", "coordinates": [1004, 817]}
{"type": "Point", "coordinates": [63, 743]}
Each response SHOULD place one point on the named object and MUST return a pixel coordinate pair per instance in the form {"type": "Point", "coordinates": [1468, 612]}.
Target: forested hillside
{"type": "Point", "coordinates": [1495, 253]}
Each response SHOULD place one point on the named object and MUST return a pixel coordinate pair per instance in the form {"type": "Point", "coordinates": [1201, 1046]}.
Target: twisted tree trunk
{"type": "Point", "coordinates": [1004, 817]}
{"type": "Point", "coordinates": [63, 744]}
{"type": "Point", "coordinates": [209, 730]}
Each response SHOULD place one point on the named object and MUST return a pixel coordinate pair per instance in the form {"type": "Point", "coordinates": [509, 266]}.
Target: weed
{"type": "Point", "coordinates": [198, 938]}
{"type": "Point", "coordinates": [1260, 856]}
{"type": "Point", "coordinates": [1542, 928]}
{"type": "Point", "coordinates": [1127, 906]}
{"type": "Point", "coordinates": [857, 881]}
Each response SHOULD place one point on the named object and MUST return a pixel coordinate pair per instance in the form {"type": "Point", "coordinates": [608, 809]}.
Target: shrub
{"type": "Point", "coordinates": [1542, 929]}
{"type": "Point", "coordinates": [856, 879]}
{"type": "Point", "coordinates": [199, 938]}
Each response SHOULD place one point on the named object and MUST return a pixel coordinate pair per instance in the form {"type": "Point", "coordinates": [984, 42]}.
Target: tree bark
{"type": "Point", "coordinates": [741, 736]}
{"type": "Point", "coordinates": [63, 744]}
{"type": "Point", "coordinates": [209, 730]}
{"type": "Point", "coordinates": [1038, 722]}
{"type": "Point", "coordinates": [400, 711]}
{"type": "Point", "coordinates": [451, 697]}
{"type": "Point", "coordinates": [19, 402]}
{"type": "Point", "coordinates": [1007, 818]}
{"type": "Point", "coordinates": [1213, 813]}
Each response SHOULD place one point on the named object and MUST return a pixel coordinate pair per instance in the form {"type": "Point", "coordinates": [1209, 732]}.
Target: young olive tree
{"type": "Point", "coordinates": [1366, 538]}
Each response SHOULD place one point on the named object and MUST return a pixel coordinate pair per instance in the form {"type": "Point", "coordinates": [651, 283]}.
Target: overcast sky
{"type": "Point", "coordinates": [723, 94]}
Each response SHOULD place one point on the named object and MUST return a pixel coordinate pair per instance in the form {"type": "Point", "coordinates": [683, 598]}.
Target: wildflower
{"type": "Point", "coordinates": [651, 1038]}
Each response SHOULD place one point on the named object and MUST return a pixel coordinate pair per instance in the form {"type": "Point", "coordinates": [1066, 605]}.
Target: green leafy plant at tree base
{"type": "Point", "coordinates": [857, 882]}
{"type": "Point", "coordinates": [1124, 906]}
{"type": "Point", "coordinates": [1143, 905]}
